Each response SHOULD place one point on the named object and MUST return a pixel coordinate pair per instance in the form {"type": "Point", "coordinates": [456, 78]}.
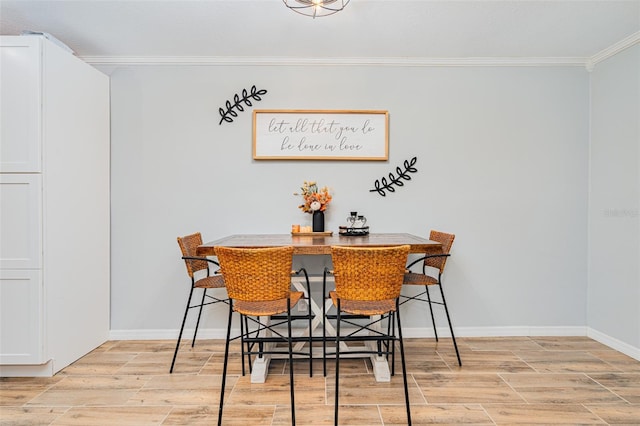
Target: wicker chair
{"type": "Point", "coordinates": [368, 283]}
{"type": "Point", "coordinates": [258, 282]}
{"type": "Point", "coordinates": [437, 260]}
{"type": "Point", "coordinates": [201, 278]}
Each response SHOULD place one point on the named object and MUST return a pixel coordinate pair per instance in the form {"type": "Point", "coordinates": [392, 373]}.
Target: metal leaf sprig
{"type": "Point", "coordinates": [382, 185]}
{"type": "Point", "coordinates": [229, 112]}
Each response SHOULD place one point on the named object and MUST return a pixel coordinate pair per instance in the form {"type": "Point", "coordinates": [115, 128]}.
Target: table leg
{"type": "Point", "coordinates": [380, 364]}
{"type": "Point", "coordinates": [261, 364]}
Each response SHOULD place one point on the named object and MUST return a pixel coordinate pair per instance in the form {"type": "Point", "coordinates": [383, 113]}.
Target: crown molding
{"type": "Point", "coordinates": [588, 62]}
{"type": "Point", "coordinates": [281, 61]}
{"type": "Point", "coordinates": [613, 50]}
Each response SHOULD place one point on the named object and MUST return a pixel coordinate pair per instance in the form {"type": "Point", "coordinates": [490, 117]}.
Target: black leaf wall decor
{"type": "Point", "coordinates": [228, 111]}
{"type": "Point", "coordinates": [384, 184]}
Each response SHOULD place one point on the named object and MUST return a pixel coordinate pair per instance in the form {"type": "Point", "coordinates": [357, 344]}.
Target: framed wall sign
{"type": "Point", "coordinates": [320, 135]}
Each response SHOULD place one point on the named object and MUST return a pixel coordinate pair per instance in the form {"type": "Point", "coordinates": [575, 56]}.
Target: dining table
{"type": "Point", "coordinates": [318, 243]}
{"type": "Point", "coordinates": [314, 244]}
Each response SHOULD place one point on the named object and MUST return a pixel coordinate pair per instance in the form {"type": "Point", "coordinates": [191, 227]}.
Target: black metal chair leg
{"type": "Point", "coordinates": [310, 331]}
{"type": "Point", "coordinates": [324, 343]}
{"type": "Point", "coordinates": [307, 300]}
{"type": "Point", "coordinates": [242, 334]}
{"type": "Point", "coordinates": [433, 319]}
{"type": "Point", "coordinates": [404, 366]}
{"type": "Point", "coordinates": [391, 331]}
{"type": "Point", "coordinates": [291, 386]}
{"type": "Point", "coordinates": [184, 320]}
{"type": "Point", "coordinates": [226, 359]}
{"type": "Point", "coordinates": [195, 333]}
{"type": "Point", "coordinates": [324, 325]}
{"type": "Point", "coordinates": [453, 337]}
{"type": "Point", "coordinates": [249, 345]}
{"type": "Point", "coordinates": [336, 402]}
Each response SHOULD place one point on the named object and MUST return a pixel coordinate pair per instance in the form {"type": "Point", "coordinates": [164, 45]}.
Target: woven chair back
{"type": "Point", "coordinates": [188, 245]}
{"type": "Point", "coordinates": [370, 274]}
{"type": "Point", "coordinates": [446, 240]}
{"type": "Point", "coordinates": [256, 274]}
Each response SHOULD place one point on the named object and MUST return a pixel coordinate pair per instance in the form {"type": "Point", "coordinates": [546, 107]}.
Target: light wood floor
{"type": "Point", "coordinates": [537, 380]}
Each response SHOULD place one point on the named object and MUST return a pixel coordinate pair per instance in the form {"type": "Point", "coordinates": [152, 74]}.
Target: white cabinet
{"type": "Point", "coordinates": [20, 106]}
{"type": "Point", "coordinates": [21, 325]}
{"type": "Point", "coordinates": [54, 207]}
{"type": "Point", "coordinates": [20, 221]}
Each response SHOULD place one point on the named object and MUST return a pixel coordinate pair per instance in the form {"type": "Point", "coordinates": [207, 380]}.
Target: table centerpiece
{"type": "Point", "coordinates": [315, 202]}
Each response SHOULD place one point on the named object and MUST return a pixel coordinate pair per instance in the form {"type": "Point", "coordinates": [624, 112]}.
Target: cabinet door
{"type": "Point", "coordinates": [20, 104]}
{"type": "Point", "coordinates": [21, 317]}
{"type": "Point", "coordinates": [20, 221]}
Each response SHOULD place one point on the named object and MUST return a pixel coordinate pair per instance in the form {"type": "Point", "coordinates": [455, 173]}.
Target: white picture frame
{"type": "Point", "coordinates": [321, 135]}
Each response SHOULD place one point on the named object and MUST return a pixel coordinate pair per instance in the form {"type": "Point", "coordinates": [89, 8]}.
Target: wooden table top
{"type": "Point", "coordinates": [317, 244]}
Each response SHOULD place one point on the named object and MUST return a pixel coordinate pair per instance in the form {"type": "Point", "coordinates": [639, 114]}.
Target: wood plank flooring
{"type": "Point", "coordinates": [503, 381]}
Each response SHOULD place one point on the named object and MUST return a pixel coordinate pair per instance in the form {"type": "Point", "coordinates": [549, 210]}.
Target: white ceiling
{"type": "Point", "coordinates": [404, 29]}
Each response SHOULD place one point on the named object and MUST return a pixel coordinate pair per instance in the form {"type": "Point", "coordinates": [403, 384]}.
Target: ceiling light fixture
{"type": "Point", "coordinates": [316, 8]}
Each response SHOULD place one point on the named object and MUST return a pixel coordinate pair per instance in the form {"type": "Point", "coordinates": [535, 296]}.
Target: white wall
{"type": "Point", "coordinates": [502, 163]}
{"type": "Point", "coordinates": [614, 201]}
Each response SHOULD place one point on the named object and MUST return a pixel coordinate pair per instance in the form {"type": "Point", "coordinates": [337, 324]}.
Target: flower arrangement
{"type": "Point", "coordinates": [314, 198]}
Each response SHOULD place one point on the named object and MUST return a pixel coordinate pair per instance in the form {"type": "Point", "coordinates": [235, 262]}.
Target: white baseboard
{"type": "Point", "coordinates": [614, 343]}
{"type": "Point", "coordinates": [414, 332]}
{"type": "Point", "coordinates": [408, 332]}
{"type": "Point", "coordinates": [203, 333]}
{"type": "Point", "coordinates": [496, 331]}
